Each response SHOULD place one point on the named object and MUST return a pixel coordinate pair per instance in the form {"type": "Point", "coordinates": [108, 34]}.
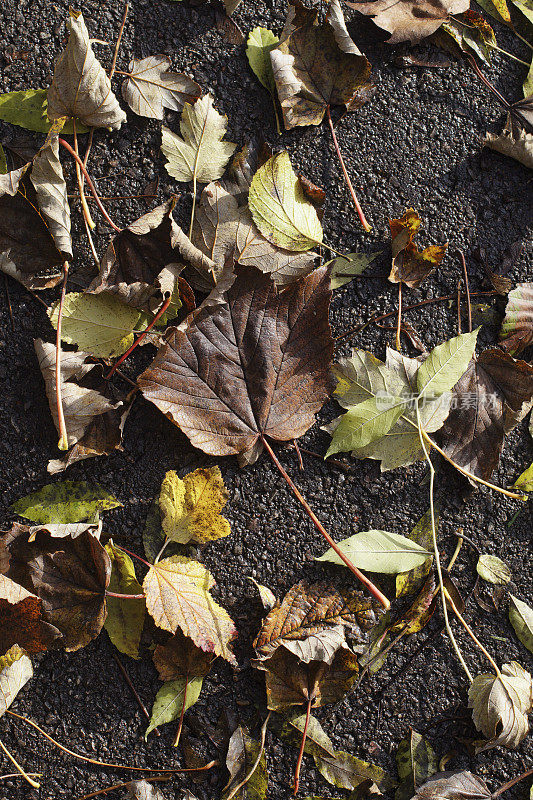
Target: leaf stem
{"type": "Point", "coordinates": [89, 222]}
{"type": "Point", "coordinates": [472, 635]}
{"type": "Point", "coordinates": [247, 777]}
{"type": "Point", "coordinates": [467, 290]}
{"type": "Point", "coordinates": [311, 514]}
{"type": "Point", "coordinates": [399, 325]}
{"type": "Point", "coordinates": [356, 203]}
{"type": "Point", "coordinates": [506, 53]}
{"type": "Point", "coordinates": [119, 39]}
{"type": "Point", "coordinates": [193, 209]}
{"type": "Point", "coordinates": [163, 548]}
{"type": "Point", "coordinates": [182, 713]}
{"type": "Point", "coordinates": [276, 114]}
{"type": "Point", "coordinates": [133, 690]}
{"type": "Point", "coordinates": [302, 747]}
{"type": "Point", "coordinates": [137, 342]}
{"type": "Point", "coordinates": [18, 767]}
{"type": "Point", "coordinates": [124, 596]}
{"type": "Point", "coordinates": [78, 160]}
{"type": "Point", "coordinates": [471, 60]}
{"type": "Point", "coordinates": [63, 435]}
{"type": "Point", "coordinates": [505, 786]}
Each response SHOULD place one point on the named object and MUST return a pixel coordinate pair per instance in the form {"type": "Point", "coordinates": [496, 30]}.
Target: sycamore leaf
{"type": "Point", "coordinates": [190, 508]}
{"type": "Point", "coordinates": [125, 618]}
{"type": "Point", "coordinates": [409, 264]}
{"type": "Point", "coordinates": [15, 672]}
{"type": "Point", "coordinates": [365, 423]}
{"type": "Point", "coordinates": [290, 727]}
{"type": "Point", "coordinates": [22, 618]}
{"type": "Point", "coordinates": [416, 762]}
{"type": "Point", "coordinates": [205, 377]}
{"type": "Point", "coordinates": [80, 86]}
{"type": "Point", "coordinates": [519, 147]}
{"type": "Point", "coordinates": [500, 705]}
{"type": "Point", "coordinates": [521, 618]}
{"type": "Point", "coordinates": [28, 109]}
{"type": "Point", "coordinates": [150, 87]}
{"type": "Point", "coordinates": [493, 569]}
{"type": "Point", "coordinates": [516, 332]}
{"type": "Point", "coordinates": [445, 364]}
{"type": "Point", "coordinates": [317, 65]}
{"type": "Point", "coordinates": [180, 658]}
{"type": "Point", "coordinates": [200, 152]}
{"type": "Point", "coordinates": [51, 190]}
{"type": "Point", "coordinates": [345, 268]}
{"type": "Point", "coordinates": [260, 43]}
{"type": "Point", "coordinates": [347, 772]}
{"type": "Point", "coordinates": [177, 596]}
{"type": "Point", "coordinates": [379, 551]}
{"type": "Point", "coordinates": [280, 207]}
{"type": "Point", "coordinates": [65, 502]}
{"type": "Point", "coordinates": [454, 786]}
{"type": "Point", "coordinates": [100, 325]}
{"type": "Point", "coordinates": [243, 753]}
{"type": "Point", "coordinates": [168, 702]}
{"type": "Point", "coordinates": [411, 20]}
{"type": "Point", "coordinates": [408, 582]}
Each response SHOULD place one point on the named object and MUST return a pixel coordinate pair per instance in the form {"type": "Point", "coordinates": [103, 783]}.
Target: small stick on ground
{"type": "Point", "coordinates": [63, 436]}
{"type": "Point", "coordinates": [134, 692]}
{"type": "Point", "coordinates": [356, 203]}
{"type": "Point", "coordinates": [119, 39]}
{"type": "Point", "coordinates": [467, 290]}
{"type": "Point", "coordinates": [18, 767]}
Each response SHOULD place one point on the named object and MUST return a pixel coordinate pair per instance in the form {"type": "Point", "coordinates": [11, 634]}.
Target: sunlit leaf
{"type": "Point", "coordinates": [15, 672]}
{"type": "Point", "coordinates": [65, 502]}
{"type": "Point", "coordinates": [125, 618]}
{"type": "Point", "coordinates": [493, 569]}
{"type": "Point", "coordinates": [27, 109]}
{"type": "Point", "coordinates": [151, 87]}
{"type": "Point", "coordinates": [521, 618]}
{"type": "Point", "coordinates": [190, 508]}
{"type": "Point", "coordinates": [169, 701]}
{"type": "Point", "coordinates": [379, 551]}
{"type": "Point", "coordinates": [500, 705]}
{"type": "Point", "coordinates": [411, 20]}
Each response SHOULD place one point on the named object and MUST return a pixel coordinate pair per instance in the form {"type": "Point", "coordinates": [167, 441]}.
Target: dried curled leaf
{"type": "Point", "coordinates": [80, 86]}
{"type": "Point", "coordinates": [521, 618]}
{"type": "Point", "coordinates": [410, 20]}
{"type": "Point", "coordinates": [409, 264]}
{"type": "Point", "coordinates": [142, 790]}
{"type": "Point", "coordinates": [519, 147]}
{"type": "Point", "coordinates": [150, 87]}
{"type": "Point", "coordinates": [500, 705]}
{"type": "Point", "coordinates": [22, 618]}
{"type": "Point", "coordinates": [15, 672]}
{"type": "Point", "coordinates": [517, 328]}
{"type": "Point", "coordinates": [190, 508]}
{"type": "Point", "coordinates": [454, 786]}
{"type": "Point", "coordinates": [180, 657]}
{"type": "Point", "coordinates": [51, 190]}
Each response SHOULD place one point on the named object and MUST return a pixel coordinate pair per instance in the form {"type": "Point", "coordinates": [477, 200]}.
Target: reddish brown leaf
{"type": "Point", "coordinates": [517, 328]}
{"type": "Point", "coordinates": [180, 658]}
{"type": "Point", "coordinates": [409, 264]}
{"type": "Point", "coordinates": [21, 613]}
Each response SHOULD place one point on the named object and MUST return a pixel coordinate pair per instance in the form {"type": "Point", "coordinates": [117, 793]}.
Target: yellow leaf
{"type": "Point", "coordinates": [190, 508]}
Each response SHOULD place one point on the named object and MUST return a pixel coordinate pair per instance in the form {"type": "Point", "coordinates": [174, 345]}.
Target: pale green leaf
{"type": "Point", "coordinates": [28, 108]}
{"type": "Point", "coordinates": [493, 569]}
{"type": "Point", "coordinates": [99, 324]}
{"type": "Point", "coordinates": [125, 618]}
{"type": "Point", "coordinates": [408, 582]}
{"type": "Point", "coordinates": [280, 208]}
{"type": "Point", "coordinates": [445, 364]}
{"type": "Point", "coordinates": [497, 9]}
{"type": "Point", "coordinates": [416, 762]}
{"type": "Point", "coordinates": [379, 551]}
{"type": "Point", "coordinates": [15, 672]}
{"type": "Point", "coordinates": [260, 43]}
{"type": "Point", "coordinates": [169, 701]}
{"type": "Point", "coordinates": [365, 423]}
{"type": "Point", "coordinates": [524, 482]}
{"type": "Point", "coordinates": [344, 268]}
{"type": "Point", "coordinates": [521, 618]}
{"type": "Point", "coordinates": [200, 152]}
{"type": "Point", "coordinates": [64, 502]}
{"type": "Point", "coordinates": [346, 771]}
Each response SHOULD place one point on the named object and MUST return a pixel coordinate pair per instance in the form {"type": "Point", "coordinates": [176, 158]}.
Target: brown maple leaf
{"type": "Point", "coordinates": [21, 613]}
{"type": "Point", "coordinates": [410, 20]}
{"type": "Point", "coordinates": [409, 264]}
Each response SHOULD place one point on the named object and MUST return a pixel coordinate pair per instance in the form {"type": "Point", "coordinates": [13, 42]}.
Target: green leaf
{"type": "Point", "coordinates": [497, 9]}
{"type": "Point", "coordinates": [66, 501]}
{"type": "Point", "coordinates": [493, 569]}
{"type": "Point", "coordinates": [416, 761]}
{"type": "Point", "coordinates": [243, 753]}
{"type": "Point", "coordinates": [98, 323]}
{"type": "Point", "coordinates": [525, 7]}
{"type": "Point", "coordinates": [344, 268]}
{"type": "Point", "coordinates": [200, 152]}
{"type": "Point", "coordinates": [125, 618]}
{"type": "Point", "coordinates": [525, 481]}
{"type": "Point", "coordinates": [290, 727]}
{"type": "Point", "coordinates": [527, 86]}
{"type": "Point", "coordinates": [27, 109]}
{"type": "Point", "coordinates": [445, 364]}
{"type": "Point", "coordinates": [409, 582]}
{"type": "Point", "coordinates": [379, 551]}
{"type": "Point", "coordinates": [280, 208]}
{"type": "Point", "coordinates": [3, 162]}
{"type": "Point", "coordinates": [169, 701]}
{"type": "Point", "coordinates": [521, 618]}
{"type": "Point", "coordinates": [346, 772]}
{"type": "Point", "coordinates": [260, 43]}
{"type": "Point", "coordinates": [365, 423]}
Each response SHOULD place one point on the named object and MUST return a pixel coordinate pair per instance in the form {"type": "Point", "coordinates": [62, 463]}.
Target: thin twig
{"type": "Point", "coordinates": [467, 290]}
{"type": "Point", "coordinates": [63, 435]}
{"type": "Point", "coordinates": [137, 342]}
{"type": "Point", "coordinates": [399, 323]}
{"type": "Point", "coordinates": [472, 635]}
{"type": "Point", "coordinates": [18, 767]}
{"type": "Point", "coordinates": [134, 691]}
{"type": "Point", "coordinates": [119, 39]}
{"type": "Point", "coordinates": [508, 785]}
{"type": "Point", "coordinates": [311, 514]}
{"type": "Point", "coordinates": [356, 203]}
{"type": "Point", "coordinates": [121, 596]}
{"type": "Point", "coordinates": [459, 319]}
{"type": "Point", "coordinates": [90, 224]}
{"type": "Point", "coordinates": [486, 81]}
{"type": "Point", "coordinates": [302, 747]}
{"type": "Point", "coordinates": [18, 775]}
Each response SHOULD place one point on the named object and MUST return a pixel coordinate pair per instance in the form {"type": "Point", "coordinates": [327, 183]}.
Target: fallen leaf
{"type": "Point", "coordinates": [169, 701]}
{"type": "Point", "coordinates": [28, 109]}
{"type": "Point", "coordinates": [142, 790]}
{"type": "Point", "coordinates": [493, 569]}
{"type": "Point", "coordinates": [190, 508]}
{"type": "Point", "coordinates": [290, 727]}
{"type": "Point", "coordinates": [471, 33]}
{"type": "Point", "coordinates": [420, 612]}
{"type": "Point", "coordinates": [80, 86]}
{"type": "Point", "coordinates": [500, 705]}
{"type": "Point", "coordinates": [379, 551]}
{"type": "Point", "coordinates": [125, 618]}
{"type": "Point", "coordinates": [15, 672]}
{"type": "Point", "coordinates": [497, 9]}
{"type": "Point", "coordinates": [521, 618]}
{"type": "Point", "coordinates": [51, 190]}
{"type": "Point", "coordinates": [516, 332]}
{"type": "Point", "coordinates": [416, 762]}
{"type": "Point", "coordinates": [317, 65]}
{"type": "Point", "coordinates": [3, 161]}
{"type": "Point", "coordinates": [177, 596]}
{"type": "Point", "coordinates": [22, 619]}
{"type": "Point", "coordinates": [280, 207]}
{"type": "Point", "coordinates": [454, 786]}
{"type": "Point", "coordinates": [408, 582]}
{"type": "Point", "coordinates": [365, 423]}
{"type": "Point", "coordinates": [445, 364]}
{"type": "Point", "coordinates": [65, 502]}
{"type": "Point", "coordinates": [180, 658]}
{"type": "Point", "coordinates": [410, 20]}
{"type": "Point", "coordinates": [409, 264]}
{"type": "Point", "coordinates": [347, 772]}
{"type": "Point", "coordinates": [150, 87]}
{"type": "Point", "coordinates": [524, 482]}
{"type": "Point", "coordinates": [268, 598]}
{"type": "Point", "coordinates": [243, 753]}
{"type": "Point", "coordinates": [205, 377]}
{"type": "Point", "coordinates": [200, 153]}
{"type": "Point", "coordinates": [345, 268]}
{"type": "Point", "coordinates": [519, 147]}
{"type": "Point", "coordinates": [258, 47]}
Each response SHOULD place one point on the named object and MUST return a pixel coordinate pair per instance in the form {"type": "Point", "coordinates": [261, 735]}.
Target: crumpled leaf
{"type": "Point", "coordinates": [168, 702]}
{"type": "Point", "coordinates": [516, 332]}
{"type": "Point", "coordinates": [190, 508]}
{"type": "Point", "coordinates": [142, 790]}
{"type": "Point", "coordinates": [454, 786]}
{"type": "Point", "coordinates": [177, 596]}
{"type": "Point", "coordinates": [21, 613]}
{"type": "Point", "coordinates": [345, 268]}
{"type": "Point", "coordinates": [125, 618]}
{"type": "Point", "coordinates": [80, 86]}
{"type": "Point", "coordinates": [308, 611]}
{"type": "Point", "coordinates": [317, 65]}
{"type": "Point", "coordinates": [470, 32]}
{"type": "Point", "coordinates": [65, 502]}
{"type": "Point", "coordinates": [280, 207]}
{"type": "Point", "coordinates": [519, 147]}
{"type": "Point", "coordinates": [410, 20]}
{"type": "Point", "coordinates": [200, 152]}
{"type": "Point", "coordinates": [379, 551]}
{"type": "Point", "coordinates": [500, 705]}
{"type": "Point", "coordinates": [243, 752]}
{"type": "Point", "coordinates": [409, 264]}
{"type": "Point", "coordinates": [493, 569]}
{"type": "Point", "coordinates": [205, 377]}
{"type": "Point", "coordinates": [180, 657]}
{"type": "Point", "coordinates": [347, 772]}
{"type": "Point", "coordinates": [408, 582]}
{"type": "Point", "coordinates": [416, 762]}
{"type": "Point", "coordinates": [489, 399]}
{"type": "Point", "coordinates": [150, 87]}
{"type": "Point", "coordinates": [94, 423]}
{"type": "Point", "coordinates": [420, 612]}
{"type": "Point", "coordinates": [15, 672]}
{"type": "Point", "coordinates": [27, 109]}
{"type": "Point", "coordinates": [521, 618]}
{"type": "Point", "coordinates": [51, 190]}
